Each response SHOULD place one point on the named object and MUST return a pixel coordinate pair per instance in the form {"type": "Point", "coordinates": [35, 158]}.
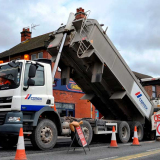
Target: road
{"type": "Point", "coordinates": [98, 151]}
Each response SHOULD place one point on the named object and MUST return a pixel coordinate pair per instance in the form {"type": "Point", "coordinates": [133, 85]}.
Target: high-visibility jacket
{"type": "Point", "coordinates": [5, 82]}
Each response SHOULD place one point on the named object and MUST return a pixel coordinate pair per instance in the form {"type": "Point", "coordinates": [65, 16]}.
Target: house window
{"type": "Point", "coordinates": [37, 55]}
{"type": "Point", "coordinates": [154, 91]}
{"type": "Point", "coordinates": [40, 55]}
{"type": "Point", "coordinates": [33, 57]}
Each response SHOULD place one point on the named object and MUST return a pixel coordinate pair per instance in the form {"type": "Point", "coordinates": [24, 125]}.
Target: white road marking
{"type": "Point", "coordinates": [140, 143]}
{"type": "Point", "coordinates": [152, 149]}
{"type": "Point", "coordinates": [108, 158]}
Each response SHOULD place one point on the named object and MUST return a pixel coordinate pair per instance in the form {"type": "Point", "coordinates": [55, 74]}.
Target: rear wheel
{"type": "Point", "coordinates": [123, 132]}
{"type": "Point", "coordinates": [140, 131]}
{"type": "Point", "coordinates": [44, 136]}
{"type": "Point", "coordinates": [88, 134]}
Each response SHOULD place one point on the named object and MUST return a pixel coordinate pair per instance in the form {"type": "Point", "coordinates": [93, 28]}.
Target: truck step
{"type": "Point", "coordinates": [28, 120]}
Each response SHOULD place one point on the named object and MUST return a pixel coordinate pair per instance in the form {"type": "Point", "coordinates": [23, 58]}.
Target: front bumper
{"type": "Point", "coordinates": [11, 128]}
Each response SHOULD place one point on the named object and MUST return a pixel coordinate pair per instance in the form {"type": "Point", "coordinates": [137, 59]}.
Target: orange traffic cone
{"type": "Point", "coordinates": [135, 139]}
{"type": "Point", "coordinates": [20, 153]}
{"type": "Point", "coordinates": [55, 109]}
{"type": "Point", "coordinates": [113, 139]}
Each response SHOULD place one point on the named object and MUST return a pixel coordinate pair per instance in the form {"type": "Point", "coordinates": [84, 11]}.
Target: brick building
{"type": "Point", "coordinates": [67, 98]}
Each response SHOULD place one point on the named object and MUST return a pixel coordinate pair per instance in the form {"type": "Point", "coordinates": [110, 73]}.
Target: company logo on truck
{"type": "Point", "coordinates": [139, 95]}
{"type": "Point", "coordinates": [29, 96]}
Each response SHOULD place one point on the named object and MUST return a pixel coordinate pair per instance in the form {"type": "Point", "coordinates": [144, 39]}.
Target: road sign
{"type": "Point", "coordinates": [81, 136]}
{"type": "Point", "coordinates": [158, 129]}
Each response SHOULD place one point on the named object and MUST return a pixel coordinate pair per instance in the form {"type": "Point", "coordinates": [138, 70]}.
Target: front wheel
{"type": "Point", "coordinates": [44, 136]}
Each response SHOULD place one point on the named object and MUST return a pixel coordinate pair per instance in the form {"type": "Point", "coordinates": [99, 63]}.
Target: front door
{"type": "Point", "coordinates": [35, 97]}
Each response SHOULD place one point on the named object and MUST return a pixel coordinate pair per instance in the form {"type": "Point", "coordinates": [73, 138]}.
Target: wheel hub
{"type": "Point", "coordinates": [86, 133]}
{"type": "Point", "coordinates": [124, 132]}
{"type": "Point", "coordinates": [46, 134]}
{"type": "Point", "coordinates": [138, 132]}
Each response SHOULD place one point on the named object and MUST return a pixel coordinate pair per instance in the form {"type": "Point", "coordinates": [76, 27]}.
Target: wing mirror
{"type": "Point", "coordinates": [31, 74]}
{"type": "Point", "coordinates": [32, 71]}
{"type": "Point", "coordinates": [31, 82]}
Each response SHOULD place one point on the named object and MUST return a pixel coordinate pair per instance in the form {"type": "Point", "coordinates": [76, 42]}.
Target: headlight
{"type": "Point", "coordinates": [14, 119]}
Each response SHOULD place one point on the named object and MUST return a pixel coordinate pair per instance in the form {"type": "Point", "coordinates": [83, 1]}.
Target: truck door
{"type": "Point", "coordinates": [35, 97]}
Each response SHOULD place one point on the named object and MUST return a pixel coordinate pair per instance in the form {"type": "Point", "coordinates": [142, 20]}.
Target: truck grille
{"type": "Point", "coordinates": [5, 106]}
{"type": "Point", "coordinates": [2, 117]}
{"type": "Point", "coordinates": [5, 99]}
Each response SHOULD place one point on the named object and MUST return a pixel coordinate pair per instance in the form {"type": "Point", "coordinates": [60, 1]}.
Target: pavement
{"type": "Point", "coordinates": [149, 150]}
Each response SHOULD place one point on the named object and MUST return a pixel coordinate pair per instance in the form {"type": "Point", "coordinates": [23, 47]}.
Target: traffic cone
{"type": "Point", "coordinates": [20, 153]}
{"type": "Point", "coordinates": [55, 109]}
{"type": "Point", "coordinates": [135, 139]}
{"type": "Point", "coordinates": [113, 139]}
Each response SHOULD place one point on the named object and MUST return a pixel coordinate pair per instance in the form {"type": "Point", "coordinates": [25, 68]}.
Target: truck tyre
{"type": "Point", "coordinates": [8, 142]}
{"type": "Point", "coordinates": [123, 132]}
{"type": "Point", "coordinates": [140, 131]}
{"type": "Point", "coordinates": [44, 135]}
{"type": "Point", "coordinates": [88, 133]}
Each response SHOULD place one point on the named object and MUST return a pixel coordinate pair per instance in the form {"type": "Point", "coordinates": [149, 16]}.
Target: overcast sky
{"type": "Point", "coordinates": [133, 25]}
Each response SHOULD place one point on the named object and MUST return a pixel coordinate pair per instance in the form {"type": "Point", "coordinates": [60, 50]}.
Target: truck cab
{"type": "Point", "coordinates": [26, 98]}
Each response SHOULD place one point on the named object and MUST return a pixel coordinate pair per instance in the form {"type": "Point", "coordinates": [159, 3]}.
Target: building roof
{"type": "Point", "coordinates": [140, 76]}
{"type": "Point", "coordinates": [38, 42]}
{"type": "Point", "coordinates": [31, 44]}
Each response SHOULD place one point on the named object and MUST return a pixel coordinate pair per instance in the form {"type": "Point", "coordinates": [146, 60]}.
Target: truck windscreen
{"type": "Point", "coordinates": [10, 76]}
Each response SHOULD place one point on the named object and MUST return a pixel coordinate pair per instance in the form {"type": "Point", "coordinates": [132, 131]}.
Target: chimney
{"type": "Point", "coordinates": [80, 13]}
{"type": "Point", "coordinates": [25, 34]}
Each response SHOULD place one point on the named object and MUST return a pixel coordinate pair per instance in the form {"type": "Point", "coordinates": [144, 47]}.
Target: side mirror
{"type": "Point", "coordinates": [31, 82]}
{"type": "Point", "coordinates": [32, 71]}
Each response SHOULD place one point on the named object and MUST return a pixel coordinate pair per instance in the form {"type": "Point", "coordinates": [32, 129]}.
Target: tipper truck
{"type": "Point", "coordinates": [87, 56]}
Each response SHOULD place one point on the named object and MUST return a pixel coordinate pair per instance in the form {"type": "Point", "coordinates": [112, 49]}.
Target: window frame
{"type": "Point", "coordinates": [39, 53]}
{"type": "Point", "coordinates": [32, 55]}
{"type": "Point", "coordinates": [154, 91]}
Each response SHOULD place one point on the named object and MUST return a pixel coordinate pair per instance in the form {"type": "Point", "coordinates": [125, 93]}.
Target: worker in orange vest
{"type": "Point", "coordinates": [4, 81]}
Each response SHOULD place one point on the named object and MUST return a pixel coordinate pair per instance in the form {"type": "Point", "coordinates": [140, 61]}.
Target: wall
{"type": "Point", "coordinates": [82, 107]}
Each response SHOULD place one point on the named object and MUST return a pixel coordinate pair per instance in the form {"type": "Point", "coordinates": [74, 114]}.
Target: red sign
{"type": "Point", "coordinates": [157, 118]}
{"type": "Point", "coordinates": [158, 129]}
{"type": "Point", "coordinates": [81, 136]}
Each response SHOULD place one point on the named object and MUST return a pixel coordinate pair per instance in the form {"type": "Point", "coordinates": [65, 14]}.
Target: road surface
{"type": "Point", "coordinates": [98, 151]}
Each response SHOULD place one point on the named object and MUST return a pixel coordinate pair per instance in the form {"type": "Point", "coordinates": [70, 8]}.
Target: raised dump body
{"type": "Point", "coordinates": [92, 61]}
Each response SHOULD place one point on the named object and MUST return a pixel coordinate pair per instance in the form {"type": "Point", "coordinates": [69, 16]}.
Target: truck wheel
{"type": "Point", "coordinates": [123, 132]}
{"type": "Point", "coordinates": [44, 136]}
{"type": "Point", "coordinates": [8, 142]}
{"type": "Point", "coordinates": [140, 131]}
{"type": "Point", "coordinates": [88, 133]}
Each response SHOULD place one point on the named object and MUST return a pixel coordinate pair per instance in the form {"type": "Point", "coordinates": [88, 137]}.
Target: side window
{"type": "Point", "coordinates": [39, 78]}
{"type": "Point", "coordinates": [33, 57]}
{"type": "Point", "coordinates": [40, 55]}
{"type": "Point", "coordinates": [153, 91]}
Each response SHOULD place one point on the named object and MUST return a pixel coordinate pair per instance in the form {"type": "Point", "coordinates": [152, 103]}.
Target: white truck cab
{"type": "Point", "coordinates": [26, 94]}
